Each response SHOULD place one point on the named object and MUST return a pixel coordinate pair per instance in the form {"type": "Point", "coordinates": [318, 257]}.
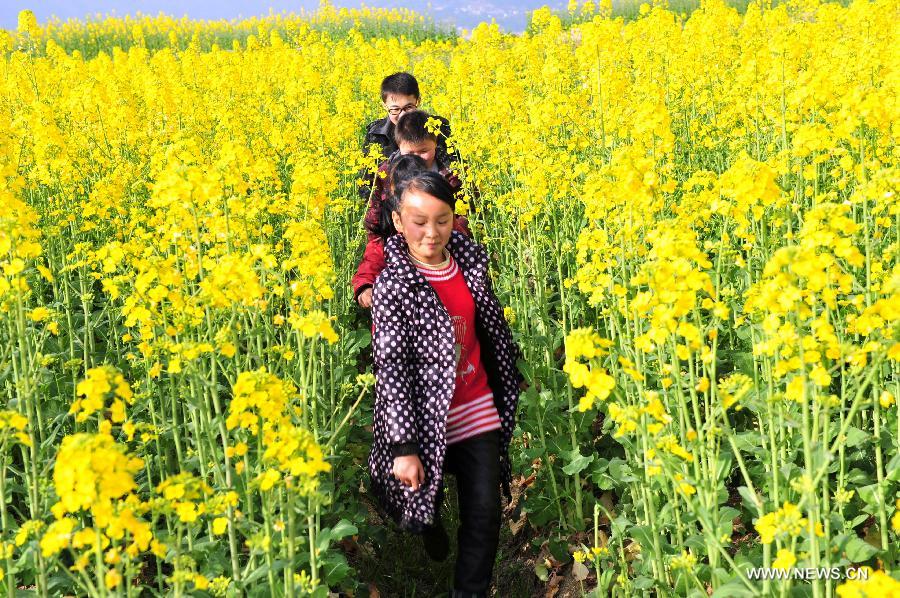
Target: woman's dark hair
{"type": "Point", "coordinates": [402, 168]}
{"type": "Point", "coordinates": [424, 181]}
{"type": "Point", "coordinates": [399, 84]}
{"type": "Point", "coordinates": [399, 169]}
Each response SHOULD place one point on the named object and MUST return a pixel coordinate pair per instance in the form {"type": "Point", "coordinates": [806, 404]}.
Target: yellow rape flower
{"type": "Point", "coordinates": [39, 314]}
{"type": "Point", "coordinates": [686, 560]}
{"type": "Point", "coordinates": [112, 579]}
{"type": "Point", "coordinates": [102, 385]}
{"type": "Point", "coordinates": [220, 525]}
{"type": "Point", "coordinates": [57, 536]}
{"type": "Point", "coordinates": [786, 520]}
{"type": "Point", "coordinates": [91, 470]}
{"type": "Point", "coordinates": [268, 479]}
{"type": "Point", "coordinates": [869, 585]}
{"type": "Point", "coordinates": [785, 559]}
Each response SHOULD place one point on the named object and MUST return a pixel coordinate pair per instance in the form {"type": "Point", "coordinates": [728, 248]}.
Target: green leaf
{"type": "Point", "coordinates": [643, 583]}
{"type": "Point", "coordinates": [336, 572]}
{"type": "Point", "coordinates": [262, 570]}
{"type": "Point", "coordinates": [643, 535]}
{"type": "Point", "coordinates": [620, 471]}
{"type": "Point", "coordinates": [323, 541]}
{"type": "Point", "coordinates": [726, 519]}
{"type": "Point", "coordinates": [683, 583]}
{"type": "Point", "coordinates": [541, 571]}
{"type": "Point", "coordinates": [320, 592]}
{"type": "Point", "coordinates": [858, 550]}
{"type": "Point", "coordinates": [560, 550]}
{"type": "Point", "coordinates": [856, 437]}
{"type": "Point", "coordinates": [696, 543]}
{"type": "Point", "coordinates": [342, 529]}
{"type": "Point", "coordinates": [749, 498]}
{"type": "Point", "coordinates": [869, 496]}
{"type": "Point", "coordinates": [732, 589]}
{"type": "Point", "coordinates": [577, 462]}
{"type": "Point", "coordinates": [893, 469]}
{"type": "Point", "coordinates": [620, 524]}
{"type": "Point", "coordinates": [748, 442]}
{"type": "Point", "coordinates": [858, 477]}
{"type": "Point", "coordinates": [720, 576]}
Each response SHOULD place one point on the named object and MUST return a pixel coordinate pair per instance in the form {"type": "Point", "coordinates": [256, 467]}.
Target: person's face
{"type": "Point", "coordinates": [424, 149]}
{"type": "Point", "coordinates": [397, 105]}
{"type": "Point", "coordinates": [426, 223]}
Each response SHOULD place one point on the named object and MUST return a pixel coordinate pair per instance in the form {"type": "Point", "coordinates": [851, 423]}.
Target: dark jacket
{"type": "Point", "coordinates": [381, 132]}
{"type": "Point", "coordinates": [415, 374]}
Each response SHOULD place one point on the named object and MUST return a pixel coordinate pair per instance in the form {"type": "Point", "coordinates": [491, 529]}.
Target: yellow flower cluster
{"type": "Point", "coordinates": [262, 405]}
{"type": "Point", "coordinates": [259, 398]}
{"type": "Point", "coordinates": [187, 498]}
{"type": "Point", "coordinates": [104, 387]}
{"type": "Point", "coordinates": [313, 324]}
{"type": "Point", "coordinates": [733, 389]}
{"type": "Point", "coordinates": [585, 344]}
{"type": "Point", "coordinates": [786, 521]}
{"type": "Point", "coordinates": [875, 584]}
{"type": "Point", "coordinates": [785, 559]}
{"type": "Point", "coordinates": [19, 240]}
{"type": "Point", "coordinates": [815, 269]}
{"type": "Point", "coordinates": [12, 425]}
{"type": "Point", "coordinates": [675, 276]}
{"type": "Point", "coordinates": [91, 472]}
{"type": "Point", "coordinates": [292, 452]}
{"type": "Point", "coordinates": [687, 560]}
{"type": "Point", "coordinates": [309, 261]}
{"type": "Point", "coordinates": [95, 475]}
{"type": "Point", "coordinates": [590, 553]}
{"type": "Point", "coordinates": [706, 205]}
{"type": "Point", "coordinates": [162, 30]}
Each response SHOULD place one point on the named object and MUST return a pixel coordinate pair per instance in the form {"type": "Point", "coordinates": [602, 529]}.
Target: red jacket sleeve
{"type": "Point", "coordinates": [369, 268]}
{"type": "Point", "coordinates": [373, 214]}
{"type": "Point", "coordinates": [461, 223]}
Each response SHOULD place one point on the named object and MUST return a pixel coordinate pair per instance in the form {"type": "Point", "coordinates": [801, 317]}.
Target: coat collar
{"type": "Point", "coordinates": [384, 127]}
{"type": "Point", "coordinates": [470, 256]}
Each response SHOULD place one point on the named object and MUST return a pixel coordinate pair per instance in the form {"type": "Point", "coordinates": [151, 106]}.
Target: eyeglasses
{"type": "Point", "coordinates": [395, 110]}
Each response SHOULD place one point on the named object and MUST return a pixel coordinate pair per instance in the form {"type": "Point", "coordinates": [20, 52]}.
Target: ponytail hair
{"type": "Point", "coordinates": [400, 168]}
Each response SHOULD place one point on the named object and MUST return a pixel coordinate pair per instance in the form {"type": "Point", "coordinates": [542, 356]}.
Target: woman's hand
{"type": "Point", "coordinates": [409, 471]}
{"type": "Point", "coordinates": [365, 298]}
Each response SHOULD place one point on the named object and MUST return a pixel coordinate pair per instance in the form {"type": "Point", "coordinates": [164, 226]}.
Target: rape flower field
{"type": "Point", "coordinates": [693, 220]}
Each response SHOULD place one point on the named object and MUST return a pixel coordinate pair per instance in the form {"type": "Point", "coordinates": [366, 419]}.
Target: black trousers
{"type": "Point", "coordinates": [475, 462]}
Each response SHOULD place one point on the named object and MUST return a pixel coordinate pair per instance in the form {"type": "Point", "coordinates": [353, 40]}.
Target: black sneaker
{"type": "Point", "coordinates": [436, 541]}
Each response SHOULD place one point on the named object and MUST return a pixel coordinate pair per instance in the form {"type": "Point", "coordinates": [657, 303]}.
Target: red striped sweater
{"type": "Point", "coordinates": [472, 409]}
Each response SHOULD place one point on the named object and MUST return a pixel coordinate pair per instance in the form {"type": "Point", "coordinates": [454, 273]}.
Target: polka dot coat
{"type": "Point", "coordinates": [415, 373]}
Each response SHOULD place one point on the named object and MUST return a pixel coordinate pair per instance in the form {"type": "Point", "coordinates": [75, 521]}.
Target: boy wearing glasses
{"type": "Point", "coordinates": [399, 94]}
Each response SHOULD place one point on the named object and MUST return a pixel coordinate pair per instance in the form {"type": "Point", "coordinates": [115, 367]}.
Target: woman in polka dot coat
{"type": "Point", "coordinates": [415, 360]}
